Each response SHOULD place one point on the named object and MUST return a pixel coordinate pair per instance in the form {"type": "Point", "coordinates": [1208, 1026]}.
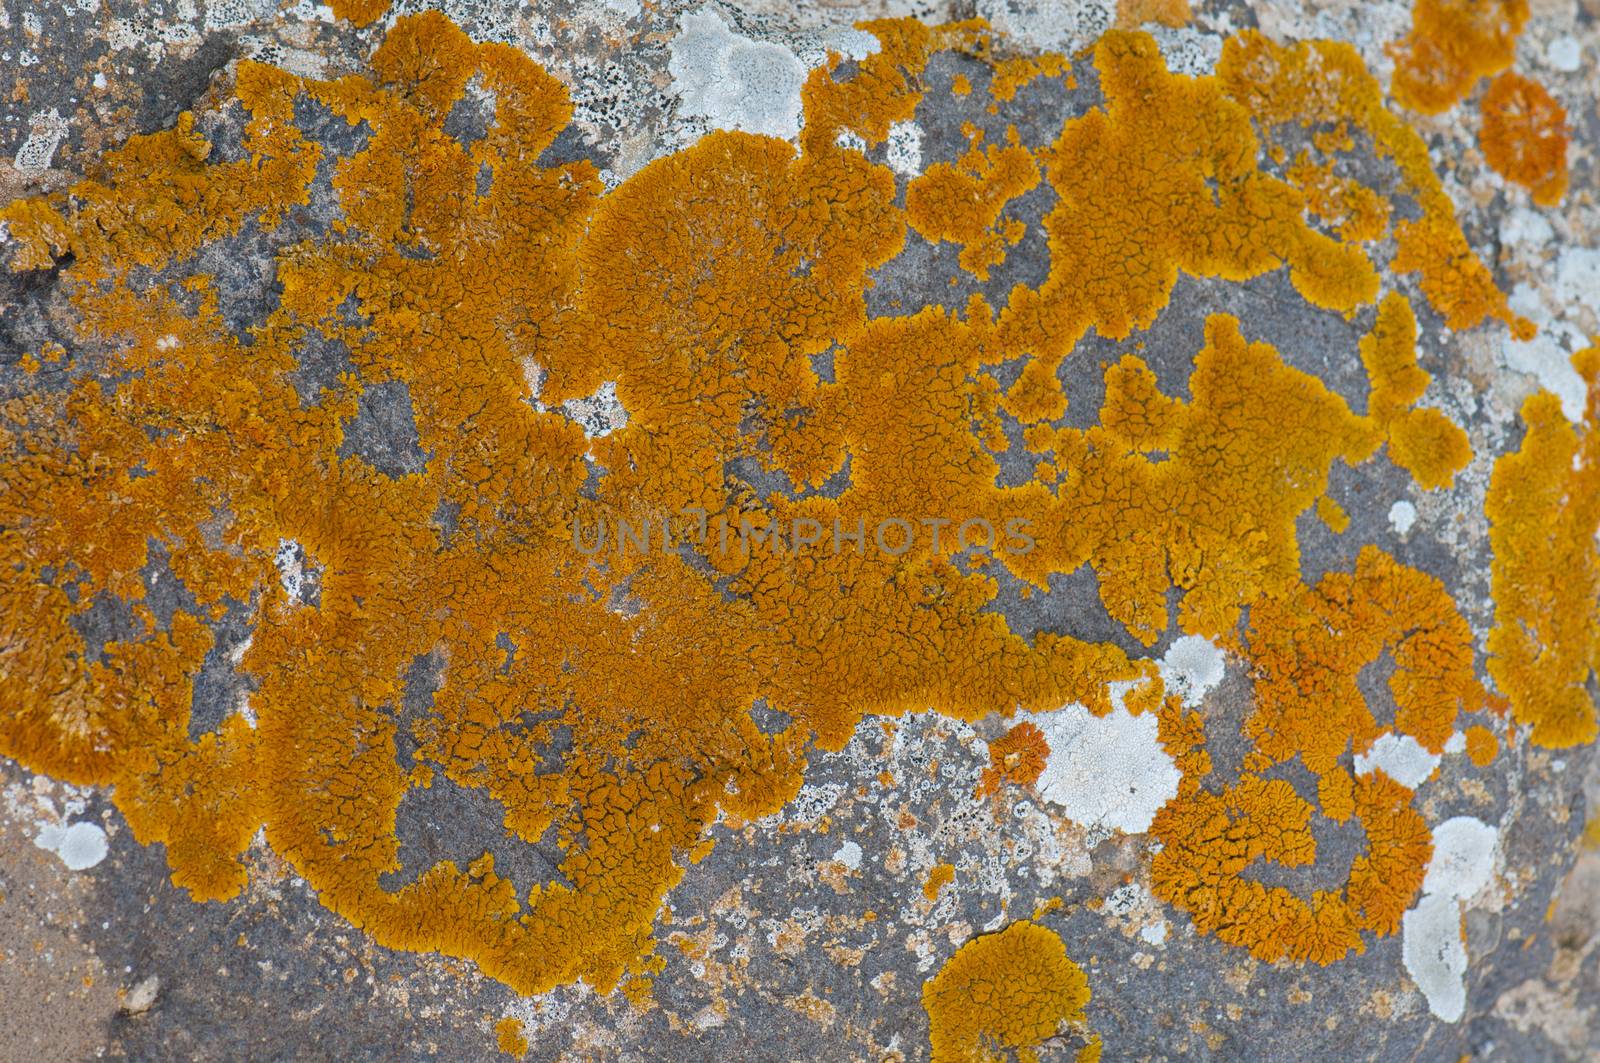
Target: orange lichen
{"type": "Point", "coordinates": [1253, 421]}
{"type": "Point", "coordinates": [1524, 137]}
{"type": "Point", "coordinates": [1012, 75]}
{"type": "Point", "coordinates": [939, 876]}
{"type": "Point", "coordinates": [1209, 840]}
{"type": "Point", "coordinates": [602, 701]}
{"type": "Point", "coordinates": [1354, 210]}
{"type": "Point", "coordinates": [1003, 993]}
{"type": "Point", "coordinates": [1131, 14]}
{"type": "Point", "coordinates": [1482, 746]}
{"type": "Point", "coordinates": [360, 12]}
{"type": "Point", "coordinates": [1307, 649]}
{"type": "Point", "coordinates": [1163, 179]}
{"type": "Point", "coordinates": [510, 1037]}
{"type": "Point", "coordinates": [1333, 515]}
{"type": "Point", "coordinates": [1016, 757]}
{"type": "Point", "coordinates": [1423, 441]}
{"type": "Point", "coordinates": [961, 201]}
{"type": "Point", "coordinates": [1453, 43]}
{"type": "Point", "coordinates": [1544, 511]}
{"type": "Point", "coordinates": [1321, 84]}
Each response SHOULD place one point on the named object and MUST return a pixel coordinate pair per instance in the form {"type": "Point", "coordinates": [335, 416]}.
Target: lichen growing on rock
{"type": "Point", "coordinates": [1004, 993]}
{"type": "Point", "coordinates": [438, 620]}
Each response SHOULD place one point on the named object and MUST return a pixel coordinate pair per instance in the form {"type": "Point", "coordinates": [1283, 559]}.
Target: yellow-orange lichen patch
{"type": "Point", "coordinates": [601, 699]}
{"type": "Point", "coordinates": [1210, 839]}
{"type": "Point", "coordinates": [1355, 211]}
{"type": "Point", "coordinates": [939, 876]}
{"type": "Point", "coordinates": [1306, 650]}
{"type": "Point", "coordinates": [1131, 14]}
{"type": "Point", "coordinates": [1423, 441]}
{"type": "Point", "coordinates": [1012, 75]}
{"type": "Point", "coordinates": [1163, 179]}
{"type": "Point", "coordinates": [1453, 43]}
{"type": "Point", "coordinates": [1003, 993]}
{"type": "Point", "coordinates": [510, 1037]}
{"type": "Point", "coordinates": [1200, 515]}
{"type": "Point", "coordinates": [1016, 757]}
{"type": "Point", "coordinates": [962, 201]}
{"type": "Point", "coordinates": [1524, 137]}
{"type": "Point", "coordinates": [360, 12]}
{"type": "Point", "coordinates": [1544, 511]}
{"type": "Point", "coordinates": [1323, 85]}
{"type": "Point", "coordinates": [1482, 746]}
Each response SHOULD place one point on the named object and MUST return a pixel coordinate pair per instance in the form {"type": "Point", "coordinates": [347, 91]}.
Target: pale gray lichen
{"type": "Point", "coordinates": [732, 81]}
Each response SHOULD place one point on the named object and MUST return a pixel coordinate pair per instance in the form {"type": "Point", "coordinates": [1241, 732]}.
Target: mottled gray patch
{"type": "Point", "coordinates": [383, 432]}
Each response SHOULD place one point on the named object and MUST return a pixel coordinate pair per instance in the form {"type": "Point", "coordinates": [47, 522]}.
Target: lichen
{"type": "Point", "coordinates": [603, 699]}
{"type": "Point", "coordinates": [1451, 45]}
{"type": "Point", "coordinates": [510, 1037]}
{"type": "Point", "coordinates": [1524, 137]}
{"type": "Point", "coordinates": [1002, 993]}
{"type": "Point", "coordinates": [1544, 511]}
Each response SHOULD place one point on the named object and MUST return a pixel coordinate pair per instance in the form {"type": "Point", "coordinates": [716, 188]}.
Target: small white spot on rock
{"type": "Point", "coordinates": [1401, 757]}
{"type": "Point", "coordinates": [1154, 933]}
{"type": "Point", "coordinates": [1186, 50]}
{"type": "Point", "coordinates": [1191, 668]}
{"type": "Point", "coordinates": [1577, 276]}
{"type": "Point", "coordinates": [79, 845]}
{"type": "Point", "coordinates": [1435, 956]}
{"type": "Point", "coordinates": [1402, 516]}
{"type": "Point", "coordinates": [600, 414]}
{"type": "Point", "coordinates": [850, 140]}
{"type": "Point", "coordinates": [1105, 771]}
{"type": "Point", "coordinates": [1564, 54]}
{"type": "Point", "coordinates": [141, 997]}
{"type": "Point", "coordinates": [1463, 857]}
{"type": "Point", "coordinates": [849, 854]}
{"type": "Point", "coordinates": [850, 43]}
{"type": "Point", "coordinates": [904, 152]}
{"type": "Point", "coordinates": [1050, 25]}
{"type": "Point", "coordinates": [46, 130]}
{"type": "Point", "coordinates": [1546, 360]}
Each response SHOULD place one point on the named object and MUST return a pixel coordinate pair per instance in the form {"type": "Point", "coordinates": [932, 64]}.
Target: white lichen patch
{"type": "Point", "coordinates": [1050, 25]}
{"type": "Point", "coordinates": [1106, 771]}
{"type": "Point", "coordinates": [1564, 54]}
{"type": "Point", "coordinates": [1186, 50]}
{"type": "Point", "coordinates": [1463, 858]}
{"type": "Point", "coordinates": [1548, 362]}
{"type": "Point", "coordinates": [1433, 949]}
{"type": "Point", "coordinates": [80, 845]}
{"type": "Point", "coordinates": [1191, 668]}
{"type": "Point", "coordinates": [1402, 517]}
{"type": "Point", "coordinates": [45, 133]}
{"type": "Point", "coordinates": [1400, 757]}
{"type": "Point", "coordinates": [291, 571]}
{"type": "Point", "coordinates": [732, 81]}
{"type": "Point", "coordinates": [904, 152]}
{"type": "Point", "coordinates": [598, 415]}
{"type": "Point", "coordinates": [849, 854]}
{"type": "Point", "coordinates": [1435, 956]}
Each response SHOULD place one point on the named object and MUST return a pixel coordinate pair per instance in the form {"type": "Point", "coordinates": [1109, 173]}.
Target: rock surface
{"type": "Point", "coordinates": [810, 930]}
